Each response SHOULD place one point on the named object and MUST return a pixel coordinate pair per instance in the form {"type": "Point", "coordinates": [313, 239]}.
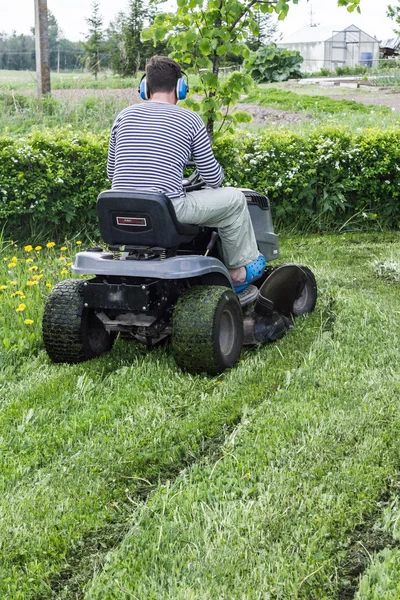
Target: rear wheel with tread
{"type": "Point", "coordinates": [71, 332]}
{"type": "Point", "coordinates": [207, 329]}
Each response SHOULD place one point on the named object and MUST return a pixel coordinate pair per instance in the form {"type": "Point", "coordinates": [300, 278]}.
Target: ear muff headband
{"type": "Point", "coordinates": [182, 87]}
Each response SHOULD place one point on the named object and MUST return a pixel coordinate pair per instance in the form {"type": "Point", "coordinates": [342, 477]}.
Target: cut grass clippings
{"type": "Point", "coordinates": [156, 484]}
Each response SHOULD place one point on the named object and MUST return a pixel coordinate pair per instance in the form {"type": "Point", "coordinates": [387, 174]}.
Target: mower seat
{"type": "Point", "coordinates": [144, 219]}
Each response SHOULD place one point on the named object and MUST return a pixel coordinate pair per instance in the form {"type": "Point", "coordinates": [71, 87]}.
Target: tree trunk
{"type": "Point", "coordinates": [215, 69]}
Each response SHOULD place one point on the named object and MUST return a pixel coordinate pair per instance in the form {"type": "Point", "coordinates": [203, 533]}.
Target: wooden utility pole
{"type": "Point", "coordinates": [42, 48]}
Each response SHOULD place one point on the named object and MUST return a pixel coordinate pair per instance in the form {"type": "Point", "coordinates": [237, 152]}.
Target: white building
{"type": "Point", "coordinates": [331, 48]}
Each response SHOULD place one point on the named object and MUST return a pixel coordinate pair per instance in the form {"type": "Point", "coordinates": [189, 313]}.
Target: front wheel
{"type": "Point", "coordinates": [207, 329]}
{"type": "Point", "coordinates": [71, 332]}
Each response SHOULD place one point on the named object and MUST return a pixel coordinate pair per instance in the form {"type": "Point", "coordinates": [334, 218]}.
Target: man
{"type": "Point", "coordinates": [150, 145]}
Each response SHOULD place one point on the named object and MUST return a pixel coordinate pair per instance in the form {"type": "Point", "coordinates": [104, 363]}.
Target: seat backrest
{"type": "Point", "coordinates": [139, 218]}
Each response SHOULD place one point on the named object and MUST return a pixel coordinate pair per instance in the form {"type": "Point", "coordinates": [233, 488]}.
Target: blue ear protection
{"type": "Point", "coordinates": [142, 89]}
{"type": "Point", "coordinates": [182, 88]}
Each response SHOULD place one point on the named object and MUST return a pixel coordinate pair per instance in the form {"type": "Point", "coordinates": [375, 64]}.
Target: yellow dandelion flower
{"type": "Point", "coordinates": [33, 268]}
{"type": "Point", "coordinates": [69, 264]}
{"type": "Point", "coordinates": [28, 322]}
{"type": "Point", "coordinates": [37, 277]}
{"type": "Point", "coordinates": [20, 308]}
{"type": "Point", "coordinates": [3, 287]}
{"type": "Point", "coordinates": [63, 248]}
{"type": "Point", "coordinates": [12, 265]}
{"type": "Point", "coordinates": [20, 174]}
{"type": "Point", "coordinates": [6, 259]}
{"type": "Point", "coordinates": [64, 271]}
{"type": "Point", "coordinates": [29, 260]}
{"type": "Point", "coordinates": [62, 258]}
{"type": "Point", "coordinates": [31, 282]}
{"type": "Point", "coordinates": [50, 244]}
{"type": "Point", "coordinates": [12, 282]}
{"type": "Point", "coordinates": [28, 248]}
{"type": "Point", "coordinates": [19, 293]}
{"type": "Point", "coordinates": [12, 295]}
{"type": "Point", "coordinates": [49, 285]}
{"type": "Point", "coordinates": [78, 243]}
{"type": "Point", "coordinates": [42, 270]}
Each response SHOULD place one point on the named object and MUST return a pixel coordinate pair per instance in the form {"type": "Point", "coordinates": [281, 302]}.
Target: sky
{"type": "Point", "coordinates": [70, 14]}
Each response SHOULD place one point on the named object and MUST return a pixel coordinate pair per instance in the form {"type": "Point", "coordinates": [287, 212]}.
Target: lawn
{"type": "Point", "coordinates": [125, 478]}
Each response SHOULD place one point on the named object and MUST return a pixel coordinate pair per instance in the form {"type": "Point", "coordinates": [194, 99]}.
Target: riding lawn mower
{"type": "Point", "coordinates": [162, 280]}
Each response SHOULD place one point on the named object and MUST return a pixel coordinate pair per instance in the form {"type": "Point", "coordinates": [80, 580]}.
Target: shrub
{"type": "Point", "coordinates": [52, 177]}
{"type": "Point", "coordinates": [322, 180]}
{"type": "Point", "coordinates": [271, 63]}
{"type": "Point", "coordinates": [315, 182]}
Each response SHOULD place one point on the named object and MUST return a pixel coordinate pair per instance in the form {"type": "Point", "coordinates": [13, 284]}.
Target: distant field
{"type": "Point", "coordinates": [26, 80]}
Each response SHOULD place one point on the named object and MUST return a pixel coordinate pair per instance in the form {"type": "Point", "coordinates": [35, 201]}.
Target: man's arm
{"type": "Point", "coordinates": [206, 163]}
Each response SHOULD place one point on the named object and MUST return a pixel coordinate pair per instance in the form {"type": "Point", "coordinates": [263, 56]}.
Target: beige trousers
{"type": "Point", "coordinates": [225, 209]}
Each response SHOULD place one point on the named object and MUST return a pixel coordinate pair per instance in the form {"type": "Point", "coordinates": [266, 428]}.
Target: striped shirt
{"type": "Point", "coordinates": [151, 143]}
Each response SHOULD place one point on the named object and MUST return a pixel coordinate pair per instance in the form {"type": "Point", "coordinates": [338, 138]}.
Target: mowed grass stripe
{"type": "Point", "coordinates": [81, 443]}
{"type": "Point", "coordinates": [272, 516]}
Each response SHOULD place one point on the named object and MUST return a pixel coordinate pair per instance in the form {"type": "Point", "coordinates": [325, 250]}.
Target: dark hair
{"type": "Point", "coordinates": [162, 73]}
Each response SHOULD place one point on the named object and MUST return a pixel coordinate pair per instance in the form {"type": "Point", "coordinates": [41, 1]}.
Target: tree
{"type": "Point", "coordinates": [128, 51]}
{"type": "Point", "coordinates": [55, 36]}
{"type": "Point", "coordinates": [63, 53]}
{"type": "Point", "coordinates": [266, 31]}
{"type": "Point", "coordinates": [393, 12]}
{"type": "Point", "coordinates": [94, 40]}
{"type": "Point", "coordinates": [203, 32]}
{"type": "Point", "coordinates": [114, 44]}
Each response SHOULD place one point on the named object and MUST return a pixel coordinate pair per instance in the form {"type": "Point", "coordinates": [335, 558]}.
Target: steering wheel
{"type": "Point", "coordinates": [194, 181]}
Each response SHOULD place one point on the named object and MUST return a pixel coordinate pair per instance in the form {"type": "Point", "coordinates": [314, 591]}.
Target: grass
{"type": "Point", "coordinates": [275, 513]}
{"type": "Point", "coordinates": [323, 108]}
{"type": "Point", "coordinates": [124, 477]}
{"type": "Point", "coordinates": [286, 100]}
{"type": "Point", "coordinates": [26, 80]}
{"type": "Point", "coordinates": [26, 277]}
{"type": "Point", "coordinates": [20, 114]}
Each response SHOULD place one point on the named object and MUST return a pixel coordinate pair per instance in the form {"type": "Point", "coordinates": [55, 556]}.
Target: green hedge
{"type": "Point", "coordinates": [315, 182]}
{"type": "Point", "coordinates": [321, 180]}
{"type": "Point", "coordinates": [51, 177]}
